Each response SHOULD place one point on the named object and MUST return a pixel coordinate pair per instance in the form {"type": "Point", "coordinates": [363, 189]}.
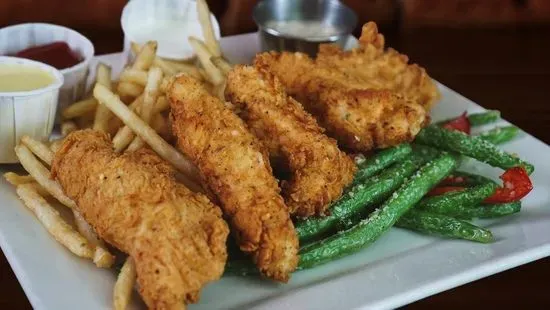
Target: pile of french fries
{"type": "Point", "coordinates": [133, 110]}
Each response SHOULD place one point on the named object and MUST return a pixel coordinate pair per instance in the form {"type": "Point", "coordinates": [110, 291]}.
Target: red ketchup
{"type": "Point", "coordinates": [56, 54]}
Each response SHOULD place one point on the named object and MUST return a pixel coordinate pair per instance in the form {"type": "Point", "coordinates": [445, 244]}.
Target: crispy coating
{"type": "Point", "coordinates": [177, 238]}
{"type": "Point", "coordinates": [235, 166]}
{"type": "Point", "coordinates": [379, 69]}
{"type": "Point", "coordinates": [359, 117]}
{"type": "Point", "coordinates": [319, 169]}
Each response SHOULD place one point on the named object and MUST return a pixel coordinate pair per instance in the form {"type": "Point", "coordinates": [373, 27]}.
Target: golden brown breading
{"type": "Point", "coordinates": [379, 69]}
{"type": "Point", "coordinates": [359, 118]}
{"type": "Point", "coordinates": [234, 165]}
{"type": "Point", "coordinates": [177, 238]}
{"type": "Point", "coordinates": [319, 169]}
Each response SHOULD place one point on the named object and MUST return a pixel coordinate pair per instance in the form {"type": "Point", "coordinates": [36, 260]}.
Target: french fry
{"type": "Point", "coordinates": [85, 229]}
{"type": "Point", "coordinates": [204, 75]}
{"type": "Point", "coordinates": [55, 145]}
{"type": "Point", "coordinates": [16, 179]}
{"type": "Point", "coordinates": [151, 93]}
{"type": "Point", "coordinates": [134, 76]}
{"type": "Point", "coordinates": [165, 84]}
{"type": "Point", "coordinates": [219, 91]}
{"type": "Point", "coordinates": [102, 114]}
{"type": "Point", "coordinates": [165, 67]}
{"type": "Point", "coordinates": [67, 127]}
{"type": "Point", "coordinates": [160, 124]}
{"type": "Point", "coordinates": [161, 147]}
{"type": "Point", "coordinates": [102, 258]}
{"type": "Point", "coordinates": [79, 108]}
{"type": "Point", "coordinates": [168, 67]}
{"type": "Point", "coordinates": [222, 64]}
{"type": "Point", "coordinates": [42, 175]}
{"type": "Point", "coordinates": [114, 125]}
{"type": "Point", "coordinates": [135, 47]}
{"type": "Point", "coordinates": [207, 29]}
{"type": "Point", "coordinates": [85, 121]}
{"type": "Point", "coordinates": [146, 56]}
{"type": "Point", "coordinates": [150, 96]}
{"type": "Point", "coordinates": [124, 286]}
{"type": "Point", "coordinates": [181, 67]}
{"type": "Point", "coordinates": [125, 135]}
{"type": "Point", "coordinates": [103, 75]}
{"type": "Point", "coordinates": [39, 149]}
{"type": "Point", "coordinates": [126, 89]}
{"type": "Point", "coordinates": [213, 73]}
{"type": "Point", "coordinates": [123, 138]}
{"type": "Point", "coordinates": [161, 105]}
{"type": "Point", "coordinates": [53, 222]}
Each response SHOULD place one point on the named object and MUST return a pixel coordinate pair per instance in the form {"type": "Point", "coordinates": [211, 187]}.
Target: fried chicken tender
{"type": "Point", "coordinates": [319, 169]}
{"type": "Point", "coordinates": [234, 165]}
{"type": "Point", "coordinates": [379, 69]}
{"type": "Point", "coordinates": [176, 238]}
{"type": "Point", "coordinates": [359, 117]}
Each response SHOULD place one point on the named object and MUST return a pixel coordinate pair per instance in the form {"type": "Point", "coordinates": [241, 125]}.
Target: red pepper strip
{"type": "Point", "coordinates": [440, 190]}
{"type": "Point", "coordinates": [461, 123]}
{"type": "Point", "coordinates": [516, 186]}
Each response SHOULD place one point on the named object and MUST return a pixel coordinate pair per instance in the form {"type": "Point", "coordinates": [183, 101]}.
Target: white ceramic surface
{"type": "Point", "coordinates": [398, 269]}
{"type": "Point", "coordinates": [148, 13]}
{"type": "Point", "coordinates": [29, 113]}
{"type": "Point", "coordinates": [19, 37]}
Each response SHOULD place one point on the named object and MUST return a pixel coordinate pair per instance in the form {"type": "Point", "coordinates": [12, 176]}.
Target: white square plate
{"type": "Point", "coordinates": [398, 269]}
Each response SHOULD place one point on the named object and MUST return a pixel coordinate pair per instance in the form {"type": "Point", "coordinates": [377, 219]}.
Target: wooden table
{"type": "Point", "coordinates": [508, 70]}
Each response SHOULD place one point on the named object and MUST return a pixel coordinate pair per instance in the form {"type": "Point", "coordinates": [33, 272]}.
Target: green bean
{"type": "Point", "coordinates": [484, 118]}
{"type": "Point", "coordinates": [478, 119]}
{"type": "Point", "coordinates": [379, 221]}
{"type": "Point", "coordinates": [423, 222]}
{"type": "Point", "coordinates": [470, 179]}
{"type": "Point", "coordinates": [455, 203]}
{"type": "Point", "coordinates": [475, 147]}
{"type": "Point", "coordinates": [359, 198]}
{"type": "Point", "coordinates": [442, 225]}
{"type": "Point", "coordinates": [487, 211]}
{"type": "Point", "coordinates": [426, 151]}
{"type": "Point", "coordinates": [367, 167]}
{"type": "Point", "coordinates": [500, 135]}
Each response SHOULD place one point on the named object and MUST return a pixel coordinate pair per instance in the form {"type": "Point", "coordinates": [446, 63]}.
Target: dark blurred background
{"type": "Point", "coordinates": [101, 18]}
{"type": "Point", "coordinates": [495, 52]}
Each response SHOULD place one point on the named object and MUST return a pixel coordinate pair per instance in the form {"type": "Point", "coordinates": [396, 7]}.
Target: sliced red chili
{"type": "Point", "coordinates": [461, 123]}
{"type": "Point", "coordinates": [516, 185]}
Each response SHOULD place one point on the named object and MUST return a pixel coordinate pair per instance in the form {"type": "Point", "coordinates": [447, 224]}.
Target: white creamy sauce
{"type": "Point", "coordinates": [312, 30]}
{"type": "Point", "coordinates": [17, 78]}
{"type": "Point", "coordinates": [171, 36]}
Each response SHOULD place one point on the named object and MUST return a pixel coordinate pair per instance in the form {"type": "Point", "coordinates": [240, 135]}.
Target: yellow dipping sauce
{"type": "Point", "coordinates": [17, 78]}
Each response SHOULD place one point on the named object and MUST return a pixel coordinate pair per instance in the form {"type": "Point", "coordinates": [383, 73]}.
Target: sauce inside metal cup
{"type": "Point", "coordinates": [300, 26]}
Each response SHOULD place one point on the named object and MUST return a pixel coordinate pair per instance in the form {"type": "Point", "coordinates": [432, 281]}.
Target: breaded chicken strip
{"type": "Point", "coordinates": [235, 167]}
{"type": "Point", "coordinates": [176, 238]}
{"type": "Point", "coordinates": [319, 169]}
{"type": "Point", "coordinates": [360, 118]}
{"type": "Point", "coordinates": [379, 69]}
